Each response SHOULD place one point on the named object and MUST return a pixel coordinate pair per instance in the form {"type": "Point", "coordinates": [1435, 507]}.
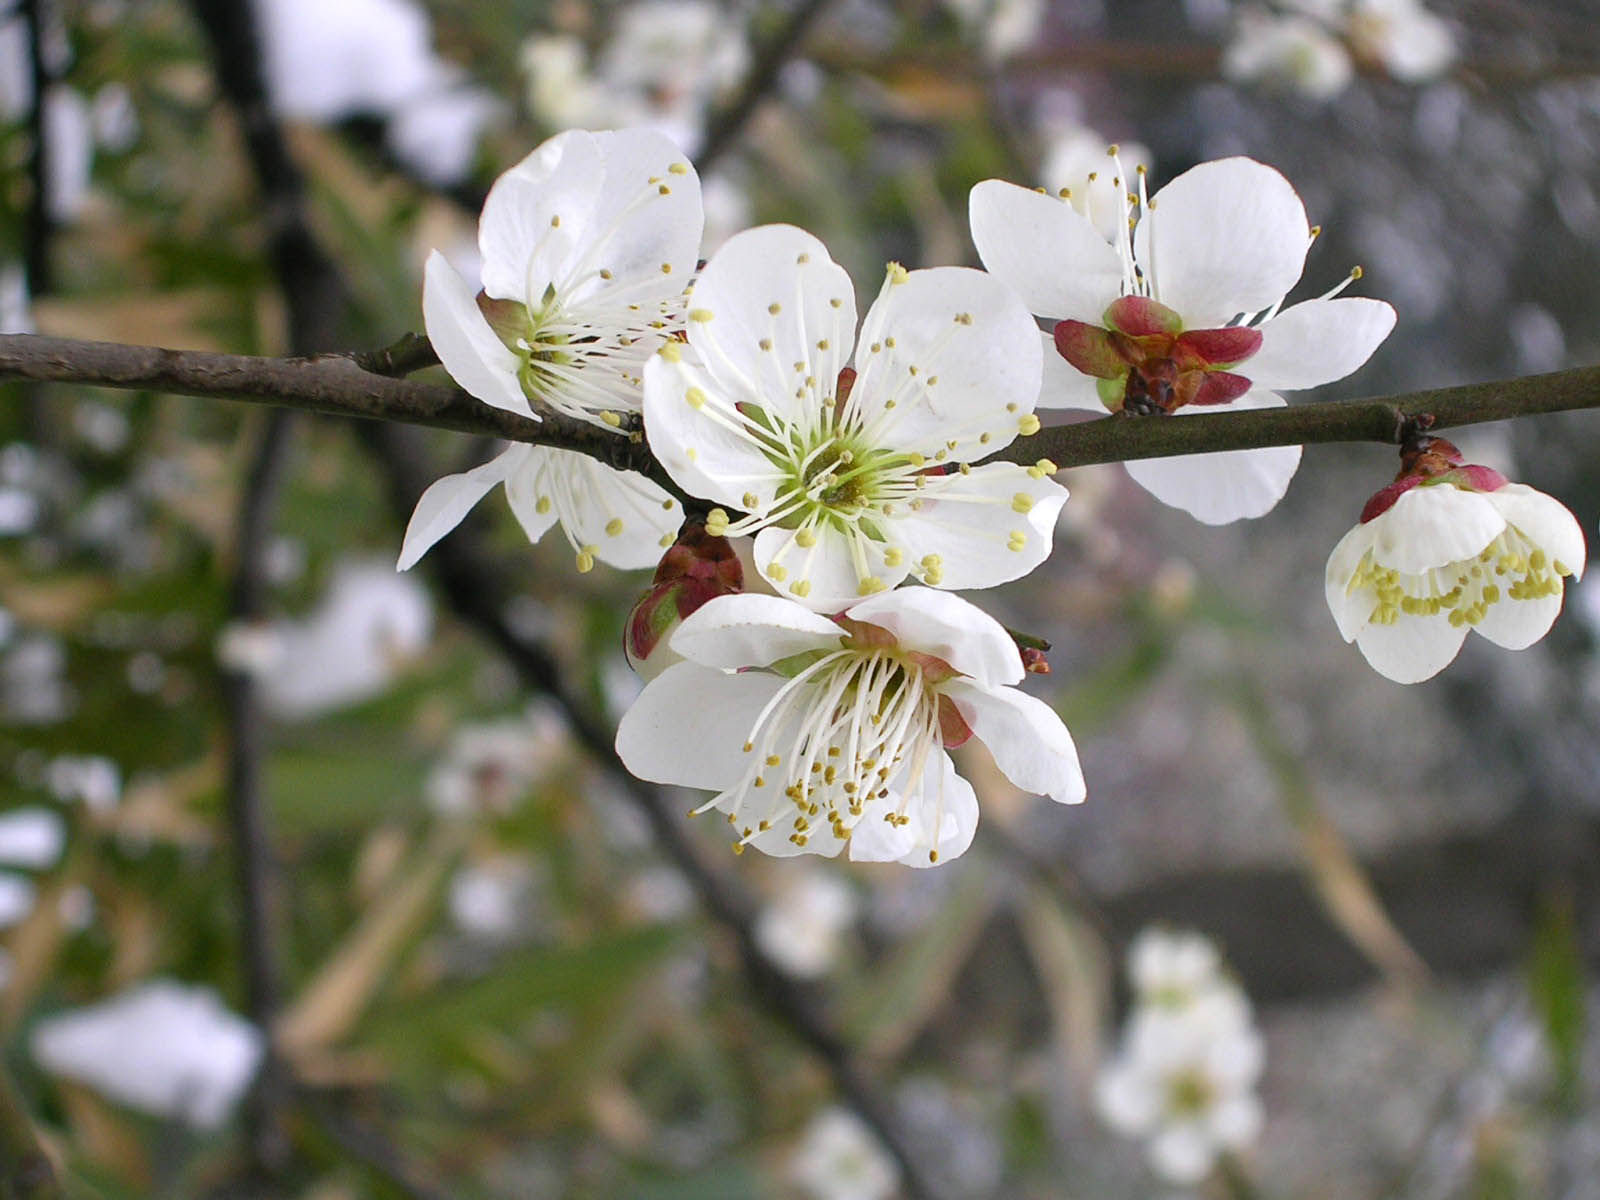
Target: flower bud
{"type": "Point", "coordinates": [696, 568]}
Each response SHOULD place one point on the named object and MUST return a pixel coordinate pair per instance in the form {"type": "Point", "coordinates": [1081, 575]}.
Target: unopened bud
{"type": "Point", "coordinates": [696, 568]}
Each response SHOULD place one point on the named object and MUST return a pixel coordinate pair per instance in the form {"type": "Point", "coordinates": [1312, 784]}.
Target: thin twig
{"type": "Point", "coordinates": [40, 224]}
{"type": "Point", "coordinates": [728, 123]}
{"type": "Point", "coordinates": [336, 384]}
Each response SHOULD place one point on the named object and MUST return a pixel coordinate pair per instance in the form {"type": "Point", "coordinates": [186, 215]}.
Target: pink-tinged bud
{"type": "Point", "coordinates": [1219, 387]}
{"type": "Point", "coordinates": [1383, 499]}
{"type": "Point", "coordinates": [1431, 460]}
{"type": "Point", "coordinates": [695, 569]}
{"type": "Point", "coordinates": [1034, 662]}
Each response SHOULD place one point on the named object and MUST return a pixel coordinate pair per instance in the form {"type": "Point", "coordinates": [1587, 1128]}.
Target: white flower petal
{"type": "Point", "coordinates": [523, 251]}
{"type": "Point", "coordinates": [1518, 624]}
{"type": "Point", "coordinates": [1225, 237]}
{"type": "Point", "coordinates": [749, 630]}
{"type": "Point", "coordinates": [1064, 386]}
{"type": "Point", "coordinates": [1182, 1153]}
{"type": "Point", "coordinates": [476, 359]}
{"type": "Point", "coordinates": [1027, 739]}
{"type": "Point", "coordinates": [1433, 525]}
{"type": "Point", "coordinates": [645, 227]}
{"type": "Point", "coordinates": [1226, 486]}
{"type": "Point", "coordinates": [1351, 608]}
{"type": "Point", "coordinates": [1236, 1122]}
{"type": "Point", "coordinates": [622, 515]}
{"type": "Point", "coordinates": [769, 299]}
{"type": "Point", "coordinates": [971, 522]}
{"type": "Point", "coordinates": [1413, 648]}
{"type": "Point", "coordinates": [830, 572]}
{"type": "Point", "coordinates": [689, 725]}
{"type": "Point", "coordinates": [948, 628]}
{"type": "Point", "coordinates": [696, 446]}
{"type": "Point", "coordinates": [442, 507]}
{"type": "Point", "coordinates": [1317, 342]}
{"type": "Point", "coordinates": [1054, 257]}
{"type": "Point", "coordinates": [1544, 521]}
{"type": "Point", "coordinates": [1127, 1098]}
{"type": "Point", "coordinates": [946, 818]}
{"type": "Point", "coordinates": [955, 344]}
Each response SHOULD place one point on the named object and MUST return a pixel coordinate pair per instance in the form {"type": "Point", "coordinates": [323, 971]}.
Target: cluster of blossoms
{"type": "Point", "coordinates": [1184, 1075]}
{"type": "Point", "coordinates": [1313, 46]}
{"type": "Point", "coordinates": [821, 705]}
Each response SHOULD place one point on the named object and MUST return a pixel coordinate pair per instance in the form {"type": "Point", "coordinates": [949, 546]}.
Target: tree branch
{"type": "Point", "coordinates": [338, 385]}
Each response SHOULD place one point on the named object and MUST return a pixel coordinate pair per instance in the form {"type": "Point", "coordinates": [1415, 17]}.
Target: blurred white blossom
{"type": "Point", "coordinates": [31, 837]}
{"type": "Point", "coordinates": [1407, 40]}
{"type": "Point", "coordinates": [16, 898]}
{"type": "Point", "coordinates": [1000, 27]}
{"type": "Point", "coordinates": [799, 928]}
{"type": "Point", "coordinates": [1183, 1078]}
{"type": "Point", "coordinates": [1290, 51]}
{"type": "Point", "coordinates": [489, 767]}
{"type": "Point", "coordinates": [839, 1158]}
{"type": "Point", "coordinates": [161, 1047]}
{"type": "Point", "coordinates": [369, 623]}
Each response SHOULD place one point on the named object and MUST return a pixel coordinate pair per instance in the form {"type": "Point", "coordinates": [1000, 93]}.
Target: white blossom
{"type": "Point", "coordinates": [1184, 1075]}
{"type": "Point", "coordinates": [839, 1158]}
{"type": "Point", "coordinates": [1291, 51]}
{"type": "Point", "coordinates": [489, 767]}
{"type": "Point", "coordinates": [16, 898]}
{"type": "Point", "coordinates": [821, 733]}
{"type": "Point", "coordinates": [1001, 27]}
{"type": "Point", "coordinates": [1407, 40]}
{"type": "Point", "coordinates": [799, 929]}
{"type": "Point", "coordinates": [587, 245]}
{"type": "Point", "coordinates": [1077, 170]}
{"type": "Point", "coordinates": [161, 1047]}
{"type": "Point", "coordinates": [1182, 313]}
{"type": "Point", "coordinates": [1442, 558]}
{"type": "Point", "coordinates": [854, 478]}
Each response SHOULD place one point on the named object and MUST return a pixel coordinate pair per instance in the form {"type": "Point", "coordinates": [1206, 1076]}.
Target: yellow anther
{"type": "Point", "coordinates": [801, 588]}
{"type": "Point", "coordinates": [666, 268]}
{"type": "Point", "coordinates": [869, 585]}
{"type": "Point", "coordinates": [696, 397]}
{"type": "Point", "coordinates": [555, 222]}
{"type": "Point", "coordinates": [751, 500]}
{"type": "Point", "coordinates": [774, 308]}
{"type": "Point", "coordinates": [611, 419]}
{"type": "Point", "coordinates": [665, 541]}
{"type": "Point", "coordinates": [822, 344]}
{"type": "Point", "coordinates": [805, 539]}
{"type": "Point", "coordinates": [665, 191]}
{"type": "Point", "coordinates": [896, 273]}
{"type": "Point", "coordinates": [613, 526]}
{"type": "Point", "coordinates": [1356, 272]}
{"type": "Point", "coordinates": [777, 572]}
{"type": "Point", "coordinates": [701, 315]}
{"type": "Point", "coordinates": [1028, 424]}
{"type": "Point", "coordinates": [717, 522]}
{"type": "Point", "coordinates": [835, 302]}
{"type": "Point", "coordinates": [893, 556]}
{"type": "Point", "coordinates": [802, 259]}
{"type": "Point", "coordinates": [586, 560]}
{"type": "Point", "coordinates": [765, 343]}
{"type": "Point", "coordinates": [1017, 541]}
{"type": "Point", "coordinates": [678, 168]}
{"type": "Point", "coordinates": [669, 351]}
{"type": "Point", "coordinates": [605, 273]}
{"type": "Point", "coordinates": [1021, 503]}
{"type": "Point", "coordinates": [542, 505]}
{"type": "Point", "coordinates": [889, 342]}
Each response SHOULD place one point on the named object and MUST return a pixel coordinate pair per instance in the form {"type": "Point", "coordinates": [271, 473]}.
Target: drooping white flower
{"type": "Point", "coordinates": [1407, 40]}
{"type": "Point", "coordinates": [822, 733]}
{"type": "Point", "coordinates": [1181, 314]}
{"type": "Point", "coordinates": [839, 1158]}
{"type": "Point", "coordinates": [1184, 1074]}
{"type": "Point", "coordinates": [854, 478]}
{"type": "Point", "coordinates": [800, 927]}
{"type": "Point", "coordinates": [587, 244]}
{"type": "Point", "coordinates": [161, 1047]}
{"type": "Point", "coordinates": [1289, 51]}
{"type": "Point", "coordinates": [1435, 557]}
